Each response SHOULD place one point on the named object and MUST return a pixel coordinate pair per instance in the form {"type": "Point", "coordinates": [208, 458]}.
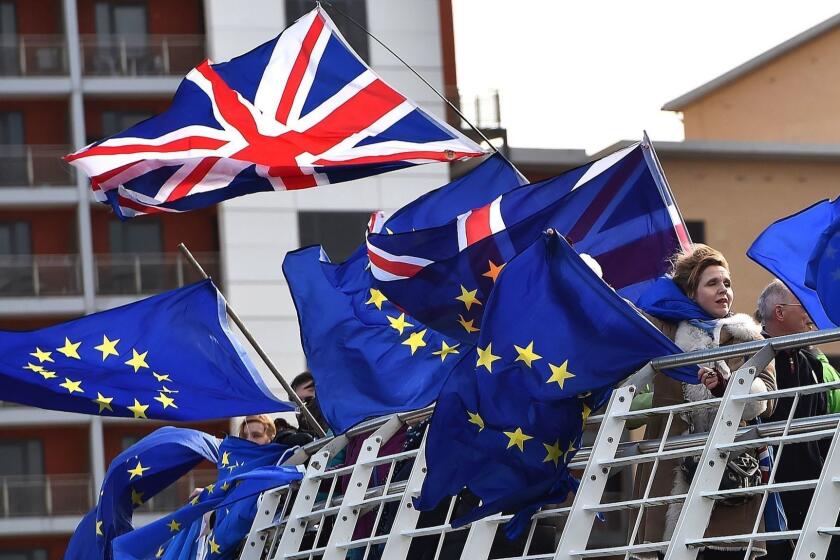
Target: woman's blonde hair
{"type": "Point", "coordinates": [689, 265]}
{"type": "Point", "coordinates": [263, 419]}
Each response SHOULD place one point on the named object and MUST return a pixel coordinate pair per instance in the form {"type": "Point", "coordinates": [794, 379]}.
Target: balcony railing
{"type": "Point", "coordinates": [33, 55]}
{"type": "Point", "coordinates": [146, 273]}
{"type": "Point", "coordinates": [71, 494]}
{"type": "Point", "coordinates": [141, 55]}
{"type": "Point", "coordinates": [40, 275]}
{"type": "Point", "coordinates": [34, 165]}
{"type": "Point", "coordinates": [40, 495]}
{"type": "Point", "coordinates": [115, 274]}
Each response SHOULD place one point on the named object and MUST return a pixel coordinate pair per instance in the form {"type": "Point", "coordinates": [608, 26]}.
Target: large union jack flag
{"type": "Point", "coordinates": [299, 111]}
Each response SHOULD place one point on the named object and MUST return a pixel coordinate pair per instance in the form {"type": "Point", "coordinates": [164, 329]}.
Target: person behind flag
{"type": "Point", "coordinates": [782, 314]}
{"type": "Point", "coordinates": [692, 307]}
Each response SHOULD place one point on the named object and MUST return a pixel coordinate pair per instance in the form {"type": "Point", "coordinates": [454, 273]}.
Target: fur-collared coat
{"type": "Point", "coordinates": [659, 522]}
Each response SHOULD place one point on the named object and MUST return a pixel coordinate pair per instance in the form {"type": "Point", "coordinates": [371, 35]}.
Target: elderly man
{"type": "Point", "coordinates": [782, 314]}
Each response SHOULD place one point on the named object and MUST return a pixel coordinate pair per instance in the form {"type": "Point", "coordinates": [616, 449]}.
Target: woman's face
{"type": "Point", "coordinates": [714, 291]}
{"type": "Point", "coordinates": [255, 431]}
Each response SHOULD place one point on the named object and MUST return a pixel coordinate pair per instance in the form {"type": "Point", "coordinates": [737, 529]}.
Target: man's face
{"type": "Point", "coordinates": [306, 390]}
{"type": "Point", "coordinates": [792, 318]}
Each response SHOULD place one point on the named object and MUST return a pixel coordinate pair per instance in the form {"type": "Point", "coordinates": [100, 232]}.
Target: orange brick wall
{"type": "Point", "coordinates": [45, 121]}
{"type": "Point", "coordinates": [197, 229]}
{"type": "Point", "coordinates": [165, 17]}
{"type": "Point", "coordinates": [55, 546]}
{"type": "Point", "coordinates": [66, 449]}
{"type": "Point", "coordinates": [39, 17]}
{"type": "Point", "coordinates": [53, 232]}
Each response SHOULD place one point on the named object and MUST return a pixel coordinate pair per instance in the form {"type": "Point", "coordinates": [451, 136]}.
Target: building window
{"type": "Point", "coordinates": [9, 55]}
{"type": "Point", "coordinates": [121, 18]}
{"type": "Point", "coordinates": [696, 230]}
{"type": "Point", "coordinates": [136, 264]}
{"type": "Point", "coordinates": [11, 128]}
{"type": "Point", "coordinates": [34, 554]}
{"type": "Point", "coordinates": [22, 469]}
{"type": "Point", "coordinates": [356, 9]}
{"type": "Point", "coordinates": [136, 236]}
{"type": "Point", "coordinates": [15, 259]}
{"type": "Point", "coordinates": [114, 122]}
{"type": "Point", "coordinates": [15, 238]}
{"type": "Point", "coordinates": [21, 457]}
{"type": "Point", "coordinates": [340, 233]}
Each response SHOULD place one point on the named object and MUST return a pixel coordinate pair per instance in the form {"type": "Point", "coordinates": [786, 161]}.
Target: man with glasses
{"type": "Point", "coordinates": [780, 314]}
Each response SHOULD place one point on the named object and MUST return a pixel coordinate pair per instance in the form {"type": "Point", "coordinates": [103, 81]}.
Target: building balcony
{"type": "Point", "coordinates": [45, 495]}
{"type": "Point", "coordinates": [115, 274]}
{"type": "Point", "coordinates": [141, 55]}
{"type": "Point", "coordinates": [33, 55]}
{"type": "Point", "coordinates": [35, 165]}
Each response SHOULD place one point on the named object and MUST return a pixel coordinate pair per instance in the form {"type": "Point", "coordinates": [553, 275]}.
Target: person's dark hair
{"type": "Point", "coordinates": [302, 378]}
{"type": "Point", "coordinates": [315, 409]}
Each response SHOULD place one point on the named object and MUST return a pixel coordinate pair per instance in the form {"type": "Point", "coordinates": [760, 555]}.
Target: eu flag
{"type": "Point", "coordinates": [792, 246]}
{"type": "Point", "coordinates": [823, 273]}
{"type": "Point", "coordinates": [555, 340]}
{"type": "Point", "coordinates": [135, 475]}
{"type": "Point", "coordinates": [384, 358]}
{"type": "Point", "coordinates": [171, 356]}
{"type": "Point", "coordinates": [614, 209]}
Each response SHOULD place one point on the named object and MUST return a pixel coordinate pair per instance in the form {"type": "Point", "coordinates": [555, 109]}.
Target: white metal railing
{"type": "Point", "coordinates": [144, 273]}
{"type": "Point", "coordinates": [45, 495]}
{"type": "Point", "coordinates": [40, 275]}
{"type": "Point", "coordinates": [141, 55]}
{"type": "Point", "coordinates": [33, 55]}
{"type": "Point", "coordinates": [35, 165]}
{"type": "Point", "coordinates": [338, 510]}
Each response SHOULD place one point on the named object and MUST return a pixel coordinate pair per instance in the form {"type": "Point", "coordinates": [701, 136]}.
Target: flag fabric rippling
{"type": "Point", "coordinates": [510, 418]}
{"type": "Point", "coordinates": [171, 356]}
{"type": "Point", "coordinates": [299, 111]}
{"type": "Point", "coordinates": [616, 209]}
{"type": "Point", "coordinates": [823, 274]}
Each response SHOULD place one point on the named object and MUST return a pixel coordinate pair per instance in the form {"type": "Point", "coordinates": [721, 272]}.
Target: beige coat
{"type": "Point", "coordinates": [658, 523]}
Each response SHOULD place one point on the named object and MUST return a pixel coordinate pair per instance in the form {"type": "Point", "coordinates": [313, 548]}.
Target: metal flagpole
{"type": "Point", "coordinates": [424, 80]}
{"type": "Point", "coordinates": [235, 318]}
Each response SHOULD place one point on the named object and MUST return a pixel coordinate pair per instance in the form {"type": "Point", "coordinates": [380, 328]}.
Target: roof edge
{"type": "Point", "coordinates": [725, 149]}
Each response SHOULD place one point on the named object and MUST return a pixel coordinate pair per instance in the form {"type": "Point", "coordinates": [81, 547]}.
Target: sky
{"type": "Point", "coordinates": [586, 74]}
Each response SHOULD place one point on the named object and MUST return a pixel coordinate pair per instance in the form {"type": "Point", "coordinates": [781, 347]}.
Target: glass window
{"type": "Point", "coordinates": [11, 128]}
{"type": "Point", "coordinates": [340, 233]}
{"type": "Point", "coordinates": [8, 21]}
{"type": "Point", "coordinates": [21, 457]}
{"type": "Point", "coordinates": [121, 18]}
{"type": "Point", "coordinates": [136, 236]}
{"type": "Point", "coordinates": [35, 554]}
{"type": "Point", "coordinates": [696, 230]}
{"type": "Point", "coordinates": [15, 238]}
{"type": "Point", "coordinates": [114, 122]}
{"type": "Point", "coordinates": [356, 9]}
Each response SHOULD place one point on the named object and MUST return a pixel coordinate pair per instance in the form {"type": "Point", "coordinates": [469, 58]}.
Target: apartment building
{"type": "Point", "coordinates": [74, 71]}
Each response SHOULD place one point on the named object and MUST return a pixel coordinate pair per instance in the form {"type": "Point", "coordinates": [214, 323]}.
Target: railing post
{"type": "Point", "coordinates": [594, 480]}
{"type": "Point", "coordinates": [406, 518]}
{"type": "Point", "coordinates": [349, 511]}
{"type": "Point", "coordinates": [30, 167]}
{"type": "Point", "coordinates": [36, 280]}
{"type": "Point", "coordinates": [164, 47]}
{"type": "Point", "coordinates": [824, 508]}
{"type": "Point", "coordinates": [697, 509]}
{"type": "Point", "coordinates": [123, 56]}
{"type": "Point", "coordinates": [6, 512]}
{"type": "Point", "coordinates": [22, 55]}
{"type": "Point", "coordinates": [263, 520]}
{"type": "Point", "coordinates": [48, 499]}
{"type": "Point", "coordinates": [138, 280]}
{"type": "Point", "coordinates": [179, 269]}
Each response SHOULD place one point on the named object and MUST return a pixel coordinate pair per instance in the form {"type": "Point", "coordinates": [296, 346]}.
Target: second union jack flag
{"type": "Point", "coordinates": [298, 111]}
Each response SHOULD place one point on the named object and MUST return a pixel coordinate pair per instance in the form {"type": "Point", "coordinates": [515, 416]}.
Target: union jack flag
{"type": "Point", "coordinates": [298, 111]}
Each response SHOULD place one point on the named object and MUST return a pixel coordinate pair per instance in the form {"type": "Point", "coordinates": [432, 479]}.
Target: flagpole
{"type": "Point", "coordinates": [422, 79]}
{"type": "Point", "coordinates": [255, 345]}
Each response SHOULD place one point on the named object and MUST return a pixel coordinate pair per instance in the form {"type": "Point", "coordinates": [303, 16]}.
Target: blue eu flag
{"type": "Point", "coordinates": [614, 209]}
{"type": "Point", "coordinates": [380, 360]}
{"type": "Point", "coordinates": [823, 274]}
{"type": "Point", "coordinates": [799, 251]}
{"type": "Point", "coordinates": [555, 340]}
{"type": "Point", "coordinates": [135, 475]}
{"type": "Point", "coordinates": [171, 356]}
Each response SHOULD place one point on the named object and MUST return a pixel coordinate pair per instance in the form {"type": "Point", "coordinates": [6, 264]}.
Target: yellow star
{"type": "Point", "coordinates": [174, 526]}
{"type": "Point", "coordinates": [518, 439]}
{"type": "Point", "coordinates": [226, 458]}
{"type": "Point", "coordinates": [553, 452]}
{"type": "Point", "coordinates": [136, 498]}
{"type": "Point", "coordinates": [166, 389]}
{"type": "Point", "coordinates": [47, 374]}
{"type": "Point", "coordinates": [468, 297]}
{"type": "Point", "coordinates": [225, 486]}
{"type": "Point", "coordinates": [570, 450]}
{"type": "Point", "coordinates": [486, 357]}
{"type": "Point", "coordinates": [476, 419]}
{"type": "Point", "coordinates": [376, 298]}
{"type": "Point", "coordinates": [526, 354]}
{"type": "Point", "coordinates": [138, 409]}
{"type": "Point", "coordinates": [468, 325]}
{"type": "Point", "coordinates": [99, 528]}
{"type": "Point", "coordinates": [103, 402]}
{"type": "Point", "coordinates": [72, 386]}
{"type": "Point", "coordinates": [560, 374]}
{"type": "Point", "coordinates": [399, 323]}
{"type": "Point", "coordinates": [138, 470]}
{"type": "Point", "coordinates": [195, 500]}
{"type": "Point", "coordinates": [108, 347]}
{"type": "Point", "coordinates": [137, 361]}
{"type": "Point", "coordinates": [159, 553]}
{"type": "Point", "coordinates": [390, 232]}
{"type": "Point", "coordinates": [166, 401]}
{"type": "Point", "coordinates": [586, 412]}
{"type": "Point", "coordinates": [209, 488]}
{"type": "Point", "coordinates": [493, 272]}
{"type": "Point", "coordinates": [161, 377]}
{"type": "Point", "coordinates": [70, 349]}
{"type": "Point", "coordinates": [214, 548]}
{"type": "Point", "coordinates": [42, 356]}
{"type": "Point", "coordinates": [445, 350]}
{"type": "Point", "coordinates": [415, 340]}
{"type": "Point", "coordinates": [33, 367]}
